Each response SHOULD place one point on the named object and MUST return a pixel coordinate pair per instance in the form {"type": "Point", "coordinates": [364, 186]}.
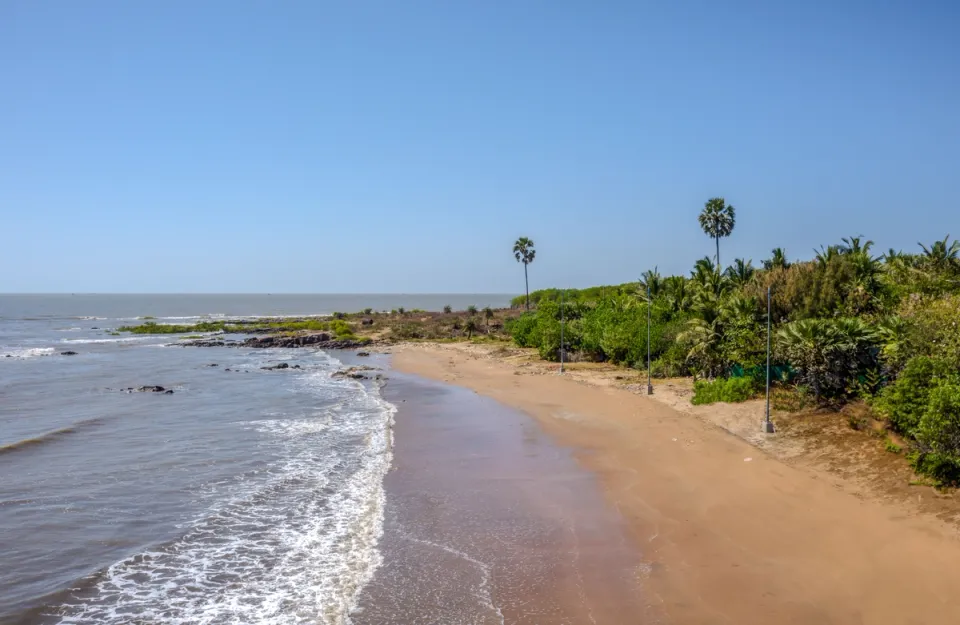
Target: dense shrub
{"type": "Point", "coordinates": [828, 354]}
{"type": "Point", "coordinates": [905, 402]}
{"type": "Point", "coordinates": [938, 434]}
{"type": "Point", "coordinates": [523, 330]}
{"type": "Point", "coordinates": [729, 390]}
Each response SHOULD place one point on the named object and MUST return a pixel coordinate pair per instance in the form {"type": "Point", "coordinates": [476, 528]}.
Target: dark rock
{"type": "Point", "coordinates": [68, 353]}
{"type": "Point", "coordinates": [228, 369]}
{"type": "Point", "coordinates": [150, 389]}
{"type": "Point", "coordinates": [168, 392]}
{"type": "Point", "coordinates": [213, 364]}
{"type": "Point", "coordinates": [282, 365]}
{"type": "Point", "coordinates": [94, 328]}
{"type": "Point", "coordinates": [295, 367]}
{"type": "Point", "coordinates": [367, 322]}
{"type": "Point", "coordinates": [287, 341]}
{"type": "Point", "coordinates": [363, 353]}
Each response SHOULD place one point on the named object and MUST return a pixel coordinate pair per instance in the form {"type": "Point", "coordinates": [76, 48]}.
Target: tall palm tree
{"type": "Point", "coordinates": [717, 220]}
{"type": "Point", "coordinates": [778, 260]}
{"type": "Point", "coordinates": [524, 253]}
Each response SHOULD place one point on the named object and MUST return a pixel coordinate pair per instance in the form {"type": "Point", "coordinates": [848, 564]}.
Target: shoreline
{"type": "Point", "coordinates": [487, 520]}
{"type": "Point", "coordinates": [733, 534]}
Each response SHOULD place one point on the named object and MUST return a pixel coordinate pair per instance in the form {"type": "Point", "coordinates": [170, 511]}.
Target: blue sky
{"type": "Point", "coordinates": [382, 146]}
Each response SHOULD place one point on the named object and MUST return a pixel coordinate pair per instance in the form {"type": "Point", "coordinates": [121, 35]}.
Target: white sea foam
{"type": "Point", "coordinates": [129, 339]}
{"type": "Point", "coordinates": [28, 352]}
{"type": "Point", "coordinates": [295, 545]}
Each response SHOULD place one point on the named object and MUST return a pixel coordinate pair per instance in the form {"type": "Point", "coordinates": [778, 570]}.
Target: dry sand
{"type": "Point", "coordinates": [733, 534]}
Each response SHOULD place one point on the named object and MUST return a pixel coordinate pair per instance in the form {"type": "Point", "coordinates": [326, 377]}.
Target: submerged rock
{"type": "Point", "coordinates": [68, 353]}
{"type": "Point", "coordinates": [282, 365]}
{"type": "Point", "coordinates": [363, 353]}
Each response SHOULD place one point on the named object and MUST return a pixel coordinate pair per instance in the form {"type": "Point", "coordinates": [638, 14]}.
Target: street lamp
{"type": "Point", "coordinates": [649, 385]}
{"type": "Point", "coordinates": [767, 425]}
{"type": "Point", "coordinates": [561, 331]}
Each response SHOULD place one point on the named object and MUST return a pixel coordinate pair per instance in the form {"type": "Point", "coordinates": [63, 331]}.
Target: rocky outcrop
{"type": "Point", "coordinates": [149, 389]}
{"type": "Point", "coordinates": [282, 365]}
{"type": "Point", "coordinates": [277, 340]}
{"type": "Point", "coordinates": [68, 353]}
{"type": "Point", "coordinates": [354, 373]}
{"type": "Point", "coordinates": [321, 340]}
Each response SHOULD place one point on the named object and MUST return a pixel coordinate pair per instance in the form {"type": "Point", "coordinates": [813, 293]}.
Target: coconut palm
{"type": "Point", "coordinates": [470, 326]}
{"type": "Point", "coordinates": [651, 282]}
{"type": "Point", "coordinates": [941, 255]}
{"type": "Point", "coordinates": [853, 245]}
{"type": "Point", "coordinates": [717, 220]}
{"type": "Point", "coordinates": [524, 253]}
{"type": "Point", "coordinates": [678, 296]}
{"type": "Point", "coordinates": [778, 259]}
{"type": "Point", "coordinates": [826, 254]}
{"type": "Point", "coordinates": [740, 272]}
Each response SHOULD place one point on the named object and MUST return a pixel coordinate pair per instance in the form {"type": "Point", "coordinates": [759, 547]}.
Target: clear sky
{"type": "Point", "coordinates": [402, 146]}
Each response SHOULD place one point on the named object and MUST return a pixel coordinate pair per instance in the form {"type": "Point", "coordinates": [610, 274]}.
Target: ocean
{"type": "Point", "coordinates": [245, 496]}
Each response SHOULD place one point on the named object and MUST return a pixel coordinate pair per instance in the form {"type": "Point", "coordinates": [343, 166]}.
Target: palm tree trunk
{"type": "Point", "coordinates": [526, 281]}
{"type": "Point", "coordinates": [718, 255]}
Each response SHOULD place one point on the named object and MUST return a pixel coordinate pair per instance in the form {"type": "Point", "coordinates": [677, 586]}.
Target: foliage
{"type": "Point", "coordinates": [524, 330]}
{"type": "Point", "coordinates": [717, 220]}
{"type": "Point", "coordinates": [905, 402]}
{"type": "Point", "coordinates": [471, 309]}
{"type": "Point", "coordinates": [447, 309]}
{"type": "Point", "coordinates": [729, 390]}
{"type": "Point", "coordinates": [938, 434]}
{"type": "Point", "coordinates": [524, 252]}
{"type": "Point", "coordinates": [933, 328]}
{"type": "Point", "coordinates": [828, 354]}
{"type": "Point", "coordinates": [342, 329]}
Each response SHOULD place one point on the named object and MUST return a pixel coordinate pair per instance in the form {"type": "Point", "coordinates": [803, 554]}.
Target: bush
{"type": "Point", "coordinates": [730, 390]}
{"type": "Point", "coordinates": [471, 309]}
{"type": "Point", "coordinates": [938, 434]}
{"type": "Point", "coordinates": [524, 330]}
{"type": "Point", "coordinates": [341, 329]}
{"type": "Point", "coordinates": [828, 354]}
{"type": "Point", "coordinates": [905, 402]}
{"type": "Point", "coordinates": [448, 309]}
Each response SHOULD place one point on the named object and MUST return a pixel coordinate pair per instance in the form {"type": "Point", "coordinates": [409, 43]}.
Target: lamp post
{"type": "Point", "coordinates": [649, 385]}
{"type": "Point", "coordinates": [562, 319]}
{"type": "Point", "coordinates": [767, 425]}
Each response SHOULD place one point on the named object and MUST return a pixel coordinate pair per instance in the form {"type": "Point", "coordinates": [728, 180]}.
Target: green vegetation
{"type": "Point", "coordinates": [847, 325]}
{"type": "Point", "coordinates": [729, 390]}
{"type": "Point", "coordinates": [717, 220]}
{"type": "Point", "coordinates": [448, 309]}
{"type": "Point", "coordinates": [524, 252]}
{"type": "Point", "coordinates": [239, 327]}
{"type": "Point", "coordinates": [471, 309]}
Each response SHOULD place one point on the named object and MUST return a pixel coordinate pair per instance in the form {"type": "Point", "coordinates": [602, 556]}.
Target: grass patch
{"type": "Point", "coordinates": [730, 390]}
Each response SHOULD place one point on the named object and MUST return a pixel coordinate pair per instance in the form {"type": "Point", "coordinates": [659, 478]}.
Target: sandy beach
{"type": "Point", "coordinates": [729, 533]}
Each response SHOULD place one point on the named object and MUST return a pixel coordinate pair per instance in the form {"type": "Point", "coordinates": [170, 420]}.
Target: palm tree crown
{"type": "Point", "coordinates": [717, 220]}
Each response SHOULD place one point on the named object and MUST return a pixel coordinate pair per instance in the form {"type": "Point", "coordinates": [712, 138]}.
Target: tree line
{"type": "Point", "coordinates": [847, 324]}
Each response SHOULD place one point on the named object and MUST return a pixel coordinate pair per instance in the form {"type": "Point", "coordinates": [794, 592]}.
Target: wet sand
{"type": "Point", "coordinates": [730, 535]}
{"type": "Point", "coordinates": [487, 520]}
